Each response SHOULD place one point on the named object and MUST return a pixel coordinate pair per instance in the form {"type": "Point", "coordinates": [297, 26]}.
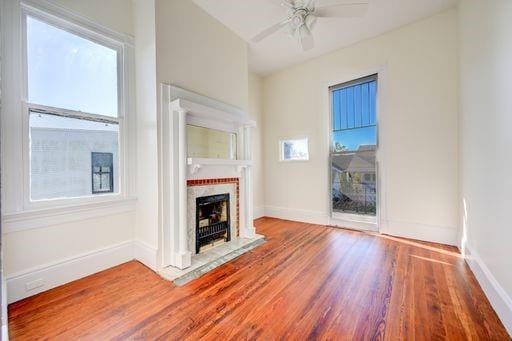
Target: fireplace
{"type": "Point", "coordinates": [212, 220]}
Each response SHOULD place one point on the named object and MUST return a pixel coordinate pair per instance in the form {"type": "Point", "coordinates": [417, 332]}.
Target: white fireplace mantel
{"type": "Point", "coordinates": [210, 117]}
{"type": "Point", "coordinates": [198, 163]}
{"type": "Point", "coordinates": [179, 108]}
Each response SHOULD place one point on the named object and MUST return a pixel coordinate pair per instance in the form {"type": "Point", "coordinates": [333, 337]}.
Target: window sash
{"type": "Point", "coordinates": [80, 31]}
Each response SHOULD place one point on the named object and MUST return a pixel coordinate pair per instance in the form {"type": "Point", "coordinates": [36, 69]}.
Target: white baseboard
{"type": "Point", "coordinates": [258, 212]}
{"type": "Point", "coordinates": [48, 276]}
{"type": "Point", "coordinates": [312, 217]}
{"type": "Point", "coordinates": [353, 224]}
{"type": "Point", "coordinates": [500, 300]}
{"type": "Point", "coordinates": [144, 253]}
{"type": "Point", "coordinates": [429, 233]}
{"type": "Point", "coordinates": [5, 334]}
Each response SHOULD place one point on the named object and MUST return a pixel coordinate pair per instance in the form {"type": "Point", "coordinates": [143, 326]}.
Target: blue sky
{"type": "Point", "coordinates": [70, 72]}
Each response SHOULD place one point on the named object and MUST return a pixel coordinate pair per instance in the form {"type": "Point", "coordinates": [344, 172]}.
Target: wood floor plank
{"type": "Point", "coordinates": [306, 282]}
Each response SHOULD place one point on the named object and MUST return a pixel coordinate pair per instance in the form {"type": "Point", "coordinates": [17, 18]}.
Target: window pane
{"type": "Point", "coordinates": [294, 150]}
{"type": "Point", "coordinates": [60, 156]}
{"type": "Point", "coordinates": [70, 72]}
{"type": "Point", "coordinates": [102, 168]}
{"type": "Point", "coordinates": [353, 179]}
{"type": "Point", "coordinates": [354, 139]}
{"type": "Point", "coordinates": [354, 106]}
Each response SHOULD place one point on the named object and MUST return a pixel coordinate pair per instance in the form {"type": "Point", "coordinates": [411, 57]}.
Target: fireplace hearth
{"type": "Point", "coordinates": [212, 220]}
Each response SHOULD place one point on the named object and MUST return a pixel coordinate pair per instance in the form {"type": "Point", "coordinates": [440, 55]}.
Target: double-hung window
{"type": "Point", "coordinates": [354, 147]}
{"type": "Point", "coordinates": [73, 101]}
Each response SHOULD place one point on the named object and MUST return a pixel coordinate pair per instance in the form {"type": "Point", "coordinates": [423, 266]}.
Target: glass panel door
{"type": "Point", "coordinates": [354, 147]}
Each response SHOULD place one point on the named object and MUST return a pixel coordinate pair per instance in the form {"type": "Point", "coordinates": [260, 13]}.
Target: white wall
{"type": "Point", "coordinates": [256, 113]}
{"type": "Point", "coordinates": [418, 113]}
{"type": "Point", "coordinates": [486, 120]}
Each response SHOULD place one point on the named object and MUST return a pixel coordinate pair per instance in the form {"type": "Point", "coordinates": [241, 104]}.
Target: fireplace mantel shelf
{"type": "Point", "coordinates": [196, 163]}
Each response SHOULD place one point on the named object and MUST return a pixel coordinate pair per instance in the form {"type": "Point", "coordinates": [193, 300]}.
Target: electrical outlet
{"type": "Point", "coordinates": [29, 286]}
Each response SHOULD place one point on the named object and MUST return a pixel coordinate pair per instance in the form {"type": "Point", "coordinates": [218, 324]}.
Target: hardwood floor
{"type": "Point", "coordinates": [306, 282]}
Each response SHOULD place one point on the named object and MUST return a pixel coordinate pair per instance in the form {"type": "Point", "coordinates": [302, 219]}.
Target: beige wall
{"type": "Point", "coordinates": [196, 52]}
{"type": "Point", "coordinates": [418, 128]}
{"type": "Point", "coordinates": [486, 120]}
{"type": "Point", "coordinates": [256, 113]}
{"type": "Point", "coordinates": [31, 248]}
{"type": "Point", "coordinates": [146, 229]}
{"type": "Point", "coordinates": [114, 14]}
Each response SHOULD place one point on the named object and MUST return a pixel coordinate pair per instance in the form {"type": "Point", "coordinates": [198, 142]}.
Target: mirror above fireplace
{"type": "Point", "coordinates": [210, 143]}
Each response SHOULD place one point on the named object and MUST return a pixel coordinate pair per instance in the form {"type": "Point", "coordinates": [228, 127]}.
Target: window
{"type": "Point", "coordinates": [294, 150]}
{"type": "Point", "coordinates": [72, 100]}
{"type": "Point", "coordinates": [67, 71]}
{"type": "Point", "coordinates": [354, 146]}
{"type": "Point", "coordinates": [102, 172]}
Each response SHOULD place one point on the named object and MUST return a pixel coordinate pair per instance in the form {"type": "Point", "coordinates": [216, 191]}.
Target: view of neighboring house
{"type": "Point", "coordinates": [64, 159]}
{"type": "Point", "coordinates": [354, 181]}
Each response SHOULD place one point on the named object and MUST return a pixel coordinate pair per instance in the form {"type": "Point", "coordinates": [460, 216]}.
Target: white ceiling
{"type": "Point", "coordinates": [248, 17]}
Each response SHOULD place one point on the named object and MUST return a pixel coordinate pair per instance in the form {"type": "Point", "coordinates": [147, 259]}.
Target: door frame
{"type": "Point", "coordinates": [347, 220]}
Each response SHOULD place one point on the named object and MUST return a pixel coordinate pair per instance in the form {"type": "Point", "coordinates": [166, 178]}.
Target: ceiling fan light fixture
{"type": "Point", "coordinates": [303, 14]}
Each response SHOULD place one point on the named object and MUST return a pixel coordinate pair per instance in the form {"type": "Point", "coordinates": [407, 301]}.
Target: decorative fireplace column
{"type": "Point", "coordinates": [179, 108]}
{"type": "Point", "coordinates": [247, 229]}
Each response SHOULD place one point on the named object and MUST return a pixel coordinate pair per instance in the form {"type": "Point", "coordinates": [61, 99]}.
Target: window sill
{"type": "Point", "coordinates": [354, 221]}
{"type": "Point", "coordinates": [33, 219]}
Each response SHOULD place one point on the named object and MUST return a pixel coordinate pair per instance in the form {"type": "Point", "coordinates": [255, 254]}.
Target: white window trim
{"type": "Point", "coordinates": [15, 115]}
{"type": "Point", "coordinates": [355, 221]}
{"type": "Point", "coordinates": [281, 151]}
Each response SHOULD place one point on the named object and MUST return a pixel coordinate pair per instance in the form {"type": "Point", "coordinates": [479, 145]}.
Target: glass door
{"type": "Point", "coordinates": [353, 150]}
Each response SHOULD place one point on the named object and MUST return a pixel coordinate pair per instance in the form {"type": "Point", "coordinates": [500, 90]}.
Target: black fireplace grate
{"type": "Point", "coordinates": [215, 230]}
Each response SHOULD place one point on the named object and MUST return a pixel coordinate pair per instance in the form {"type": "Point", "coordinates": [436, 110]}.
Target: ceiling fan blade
{"type": "Point", "coordinates": [345, 10]}
{"type": "Point", "coordinates": [307, 42]}
{"type": "Point", "coordinates": [272, 29]}
{"type": "Point", "coordinates": [306, 38]}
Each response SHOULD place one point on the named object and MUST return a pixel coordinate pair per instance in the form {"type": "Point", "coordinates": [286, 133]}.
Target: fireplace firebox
{"type": "Point", "coordinates": [212, 220]}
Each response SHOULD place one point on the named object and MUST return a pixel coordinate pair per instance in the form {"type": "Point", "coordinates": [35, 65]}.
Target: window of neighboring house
{"type": "Point", "coordinates": [354, 146]}
{"type": "Point", "coordinates": [102, 172]}
{"type": "Point", "coordinates": [294, 150]}
{"type": "Point", "coordinates": [72, 98]}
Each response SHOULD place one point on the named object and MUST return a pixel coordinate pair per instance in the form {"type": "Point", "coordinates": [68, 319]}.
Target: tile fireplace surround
{"type": "Point", "coordinates": [186, 178]}
{"type": "Point", "coordinates": [206, 187]}
{"type": "Point", "coordinates": [213, 257]}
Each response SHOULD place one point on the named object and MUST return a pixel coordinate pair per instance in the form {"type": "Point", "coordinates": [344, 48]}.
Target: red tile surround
{"type": "Point", "coordinates": [221, 181]}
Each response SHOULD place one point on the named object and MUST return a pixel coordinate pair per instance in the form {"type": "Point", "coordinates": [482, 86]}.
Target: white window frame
{"type": "Point", "coordinates": [281, 149]}
{"type": "Point", "coordinates": [350, 220]}
{"type": "Point", "coordinates": [20, 213]}
{"type": "Point", "coordinates": [73, 28]}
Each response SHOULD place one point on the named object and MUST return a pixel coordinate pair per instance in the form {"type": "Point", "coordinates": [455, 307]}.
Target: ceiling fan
{"type": "Point", "coordinates": [303, 14]}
